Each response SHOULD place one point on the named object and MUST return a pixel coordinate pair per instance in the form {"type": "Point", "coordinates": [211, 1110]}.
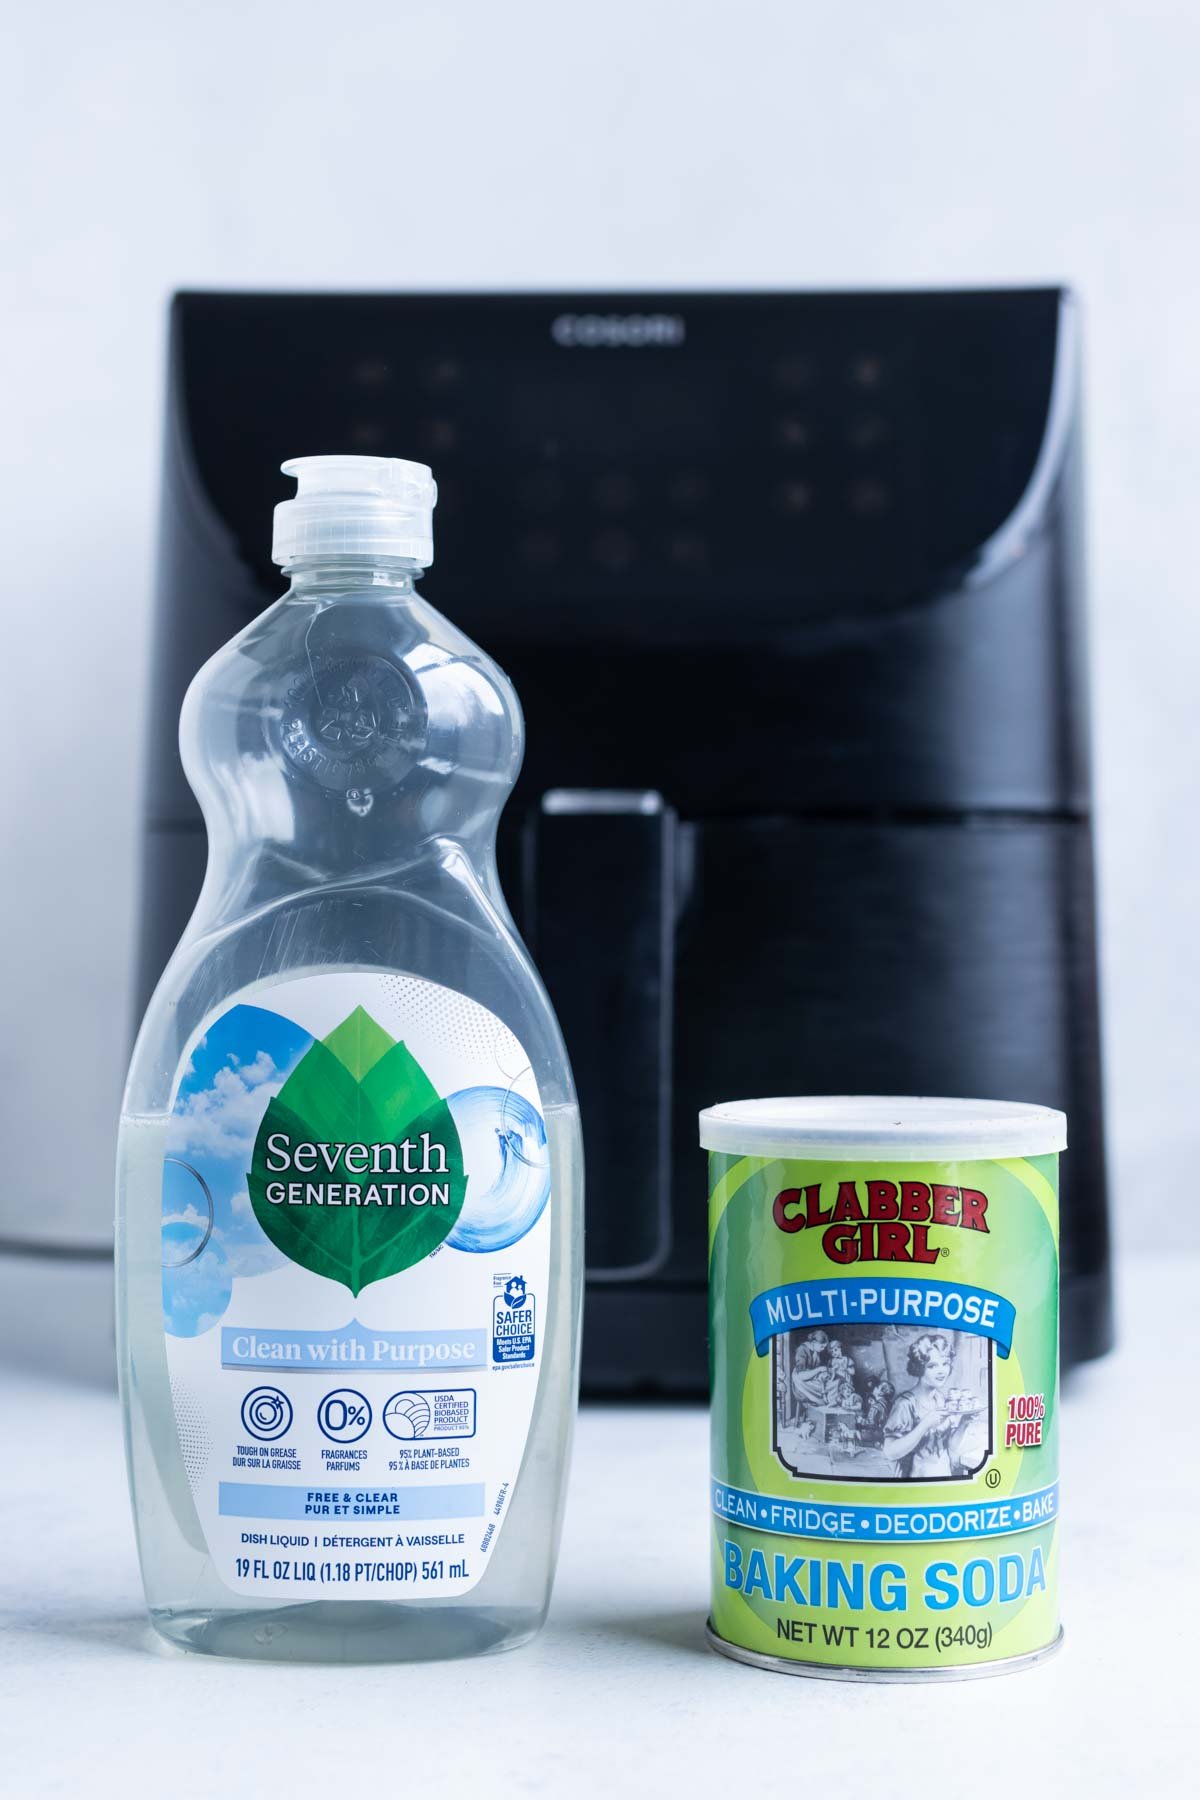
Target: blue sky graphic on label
{"type": "Point", "coordinates": [210, 1234]}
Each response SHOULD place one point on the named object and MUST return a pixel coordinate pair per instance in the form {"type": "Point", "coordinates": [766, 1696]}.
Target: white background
{"type": "Point", "coordinates": [385, 144]}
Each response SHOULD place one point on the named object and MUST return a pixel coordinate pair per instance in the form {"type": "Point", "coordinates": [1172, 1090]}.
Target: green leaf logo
{"type": "Point", "coordinates": [357, 1169]}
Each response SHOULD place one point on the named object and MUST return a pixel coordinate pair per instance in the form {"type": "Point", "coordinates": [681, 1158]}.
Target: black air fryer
{"type": "Point", "coordinates": [790, 587]}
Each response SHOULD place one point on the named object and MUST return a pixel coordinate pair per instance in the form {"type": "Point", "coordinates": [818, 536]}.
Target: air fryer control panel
{"type": "Point", "coordinates": [808, 452]}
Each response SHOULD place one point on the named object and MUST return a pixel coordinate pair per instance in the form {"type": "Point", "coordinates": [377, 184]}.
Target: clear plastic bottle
{"type": "Point", "coordinates": [349, 1225]}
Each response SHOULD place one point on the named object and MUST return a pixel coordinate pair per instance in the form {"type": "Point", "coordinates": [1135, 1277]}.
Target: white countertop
{"type": "Point", "coordinates": [619, 1694]}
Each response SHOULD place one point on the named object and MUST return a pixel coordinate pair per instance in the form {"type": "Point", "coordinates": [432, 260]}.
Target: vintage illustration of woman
{"type": "Point", "coordinates": [916, 1437]}
{"type": "Point", "coordinates": [808, 1372]}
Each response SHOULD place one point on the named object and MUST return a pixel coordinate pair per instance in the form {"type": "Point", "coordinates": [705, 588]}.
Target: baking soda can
{"type": "Point", "coordinates": [883, 1313]}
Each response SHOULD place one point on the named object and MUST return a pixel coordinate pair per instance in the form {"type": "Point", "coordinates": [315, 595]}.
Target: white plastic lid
{"type": "Point", "coordinates": [882, 1128]}
{"type": "Point", "coordinates": [356, 506]}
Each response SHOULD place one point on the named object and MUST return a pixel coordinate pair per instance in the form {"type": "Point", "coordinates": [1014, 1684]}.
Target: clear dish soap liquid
{"type": "Point", "coordinates": [349, 1243]}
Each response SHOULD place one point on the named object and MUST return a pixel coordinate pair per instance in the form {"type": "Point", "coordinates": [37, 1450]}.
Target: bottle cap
{"type": "Point", "coordinates": [356, 506]}
{"type": "Point", "coordinates": [882, 1128]}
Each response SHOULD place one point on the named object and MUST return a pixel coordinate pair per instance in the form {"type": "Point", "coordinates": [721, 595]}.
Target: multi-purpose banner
{"type": "Point", "coordinates": [927, 1303]}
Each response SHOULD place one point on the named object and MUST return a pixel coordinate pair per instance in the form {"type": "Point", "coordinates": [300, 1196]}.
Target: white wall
{"type": "Point", "coordinates": [150, 146]}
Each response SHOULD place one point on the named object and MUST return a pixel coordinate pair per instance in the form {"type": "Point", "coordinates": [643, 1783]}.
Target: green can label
{"type": "Point", "coordinates": [884, 1410]}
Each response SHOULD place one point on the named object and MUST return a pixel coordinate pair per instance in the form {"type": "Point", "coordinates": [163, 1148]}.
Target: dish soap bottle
{"type": "Point", "coordinates": [349, 1245]}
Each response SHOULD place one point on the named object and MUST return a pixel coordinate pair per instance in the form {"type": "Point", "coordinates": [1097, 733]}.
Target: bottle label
{"type": "Point", "coordinates": [356, 1252]}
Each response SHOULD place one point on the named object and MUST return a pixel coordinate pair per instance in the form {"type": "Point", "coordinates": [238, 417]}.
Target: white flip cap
{"type": "Point", "coordinates": [356, 506]}
{"type": "Point", "coordinates": [882, 1128]}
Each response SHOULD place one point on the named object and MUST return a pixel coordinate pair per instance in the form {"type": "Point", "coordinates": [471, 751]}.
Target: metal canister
{"type": "Point", "coordinates": [883, 1314]}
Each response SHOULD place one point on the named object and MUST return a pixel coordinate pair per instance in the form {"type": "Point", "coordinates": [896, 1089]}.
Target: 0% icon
{"type": "Point", "coordinates": [344, 1415]}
